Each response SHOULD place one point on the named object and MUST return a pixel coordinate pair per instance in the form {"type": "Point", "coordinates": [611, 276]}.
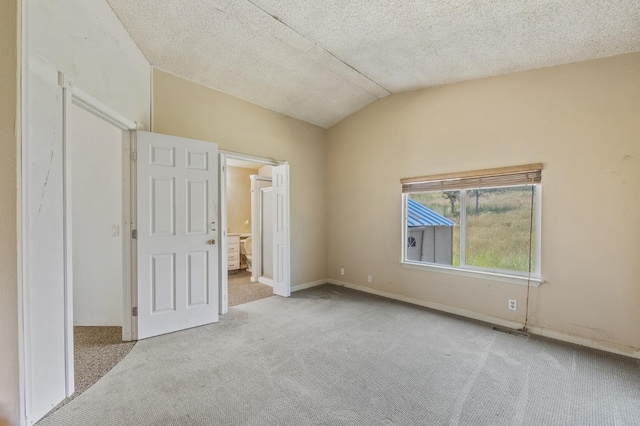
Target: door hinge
{"type": "Point", "coordinates": [134, 156]}
{"type": "Point", "coordinates": [134, 234]}
{"type": "Point", "coordinates": [134, 311]}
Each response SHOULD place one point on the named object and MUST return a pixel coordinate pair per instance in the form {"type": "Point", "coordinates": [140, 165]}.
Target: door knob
{"type": "Point", "coordinates": [211, 242]}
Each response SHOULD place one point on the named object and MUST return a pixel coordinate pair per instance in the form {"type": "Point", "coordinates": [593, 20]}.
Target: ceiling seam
{"type": "Point", "coordinates": [316, 44]}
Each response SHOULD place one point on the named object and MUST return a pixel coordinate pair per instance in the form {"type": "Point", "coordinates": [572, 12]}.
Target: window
{"type": "Point", "coordinates": [486, 221]}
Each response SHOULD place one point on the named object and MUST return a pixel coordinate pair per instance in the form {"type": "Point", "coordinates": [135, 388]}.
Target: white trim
{"type": "Point", "coordinates": [127, 241]}
{"type": "Point", "coordinates": [67, 242]}
{"type": "Point", "coordinates": [538, 235]}
{"type": "Point", "coordinates": [151, 100]}
{"type": "Point", "coordinates": [540, 331]}
{"type": "Point", "coordinates": [403, 228]}
{"type": "Point", "coordinates": [133, 244]}
{"type": "Point", "coordinates": [308, 285]}
{"type": "Point", "coordinates": [22, 41]}
{"type": "Point", "coordinates": [462, 214]}
{"type": "Point", "coordinates": [223, 278]}
{"type": "Point", "coordinates": [94, 106]}
{"type": "Point", "coordinates": [473, 273]}
{"type": "Point", "coordinates": [252, 158]}
{"type": "Point", "coordinates": [71, 94]}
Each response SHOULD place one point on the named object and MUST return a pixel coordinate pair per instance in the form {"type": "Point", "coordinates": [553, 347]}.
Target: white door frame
{"type": "Point", "coordinates": [74, 95]}
{"type": "Point", "coordinates": [224, 270]}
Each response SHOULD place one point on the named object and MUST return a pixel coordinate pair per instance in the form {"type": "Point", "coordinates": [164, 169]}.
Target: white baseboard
{"type": "Point", "coordinates": [308, 285]}
{"type": "Point", "coordinates": [540, 331]}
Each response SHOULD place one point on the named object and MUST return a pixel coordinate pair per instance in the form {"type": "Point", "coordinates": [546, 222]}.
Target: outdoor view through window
{"type": "Point", "coordinates": [489, 229]}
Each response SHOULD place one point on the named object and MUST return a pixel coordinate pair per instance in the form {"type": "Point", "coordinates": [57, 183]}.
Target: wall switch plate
{"type": "Point", "coordinates": [115, 231]}
{"type": "Point", "coordinates": [513, 305]}
{"type": "Point", "coordinates": [341, 271]}
{"type": "Point", "coordinates": [369, 278]}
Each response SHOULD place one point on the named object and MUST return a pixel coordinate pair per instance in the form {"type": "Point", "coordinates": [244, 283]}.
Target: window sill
{"type": "Point", "coordinates": [491, 276]}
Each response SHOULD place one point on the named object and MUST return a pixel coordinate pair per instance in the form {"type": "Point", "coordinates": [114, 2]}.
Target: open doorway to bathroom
{"type": "Point", "coordinates": [249, 225]}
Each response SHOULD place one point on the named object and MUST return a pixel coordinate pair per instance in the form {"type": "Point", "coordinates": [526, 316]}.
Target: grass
{"type": "Point", "coordinates": [497, 233]}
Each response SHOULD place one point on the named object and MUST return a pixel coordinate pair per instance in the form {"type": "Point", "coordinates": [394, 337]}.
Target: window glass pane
{"type": "Point", "coordinates": [497, 228]}
{"type": "Point", "coordinates": [433, 227]}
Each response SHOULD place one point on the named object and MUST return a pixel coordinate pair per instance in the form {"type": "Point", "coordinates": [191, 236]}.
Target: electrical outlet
{"type": "Point", "coordinates": [341, 271]}
{"type": "Point", "coordinates": [513, 305]}
{"type": "Point", "coordinates": [370, 278]}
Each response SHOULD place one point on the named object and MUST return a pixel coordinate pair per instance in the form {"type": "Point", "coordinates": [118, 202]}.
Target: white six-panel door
{"type": "Point", "coordinates": [281, 248]}
{"type": "Point", "coordinates": [177, 193]}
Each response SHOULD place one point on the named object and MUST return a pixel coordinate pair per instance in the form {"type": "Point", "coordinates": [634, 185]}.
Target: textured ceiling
{"type": "Point", "coordinates": [320, 60]}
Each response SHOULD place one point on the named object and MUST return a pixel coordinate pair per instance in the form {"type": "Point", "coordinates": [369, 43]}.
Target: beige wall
{"type": "Point", "coordinates": [581, 120]}
{"type": "Point", "coordinates": [183, 108]}
{"type": "Point", "coordinates": [9, 391]}
{"type": "Point", "coordinates": [239, 199]}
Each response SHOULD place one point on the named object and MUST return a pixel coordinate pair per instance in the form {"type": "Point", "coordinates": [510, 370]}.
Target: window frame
{"type": "Point", "coordinates": [514, 277]}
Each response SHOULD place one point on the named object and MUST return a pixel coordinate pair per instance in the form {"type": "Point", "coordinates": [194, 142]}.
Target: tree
{"type": "Point", "coordinates": [478, 193]}
{"type": "Point", "coordinates": [452, 196]}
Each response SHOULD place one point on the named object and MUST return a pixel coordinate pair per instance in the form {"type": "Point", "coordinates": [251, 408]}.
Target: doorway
{"type": "Point", "coordinates": [250, 215]}
{"type": "Point", "coordinates": [169, 192]}
{"type": "Point", "coordinates": [94, 150]}
{"type": "Point", "coordinates": [245, 229]}
{"type": "Point", "coordinates": [49, 307]}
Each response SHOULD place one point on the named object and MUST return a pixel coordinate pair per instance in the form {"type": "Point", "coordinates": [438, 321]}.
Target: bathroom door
{"type": "Point", "coordinates": [177, 215]}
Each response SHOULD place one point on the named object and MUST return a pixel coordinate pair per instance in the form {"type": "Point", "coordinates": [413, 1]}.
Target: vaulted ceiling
{"type": "Point", "coordinates": [322, 60]}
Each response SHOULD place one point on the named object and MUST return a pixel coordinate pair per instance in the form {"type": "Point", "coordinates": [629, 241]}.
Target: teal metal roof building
{"type": "Point", "coordinates": [421, 215]}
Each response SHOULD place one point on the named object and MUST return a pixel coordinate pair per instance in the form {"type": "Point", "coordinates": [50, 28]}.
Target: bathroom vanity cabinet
{"type": "Point", "coordinates": [233, 252]}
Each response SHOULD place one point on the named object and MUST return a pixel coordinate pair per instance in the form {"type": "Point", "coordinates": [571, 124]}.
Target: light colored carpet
{"type": "Point", "coordinates": [332, 356]}
{"type": "Point", "coordinates": [242, 290]}
{"type": "Point", "coordinates": [96, 351]}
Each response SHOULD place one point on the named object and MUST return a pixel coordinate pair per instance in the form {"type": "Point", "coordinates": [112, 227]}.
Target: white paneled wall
{"type": "Point", "coordinates": [85, 40]}
{"type": "Point", "coordinates": [96, 188]}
